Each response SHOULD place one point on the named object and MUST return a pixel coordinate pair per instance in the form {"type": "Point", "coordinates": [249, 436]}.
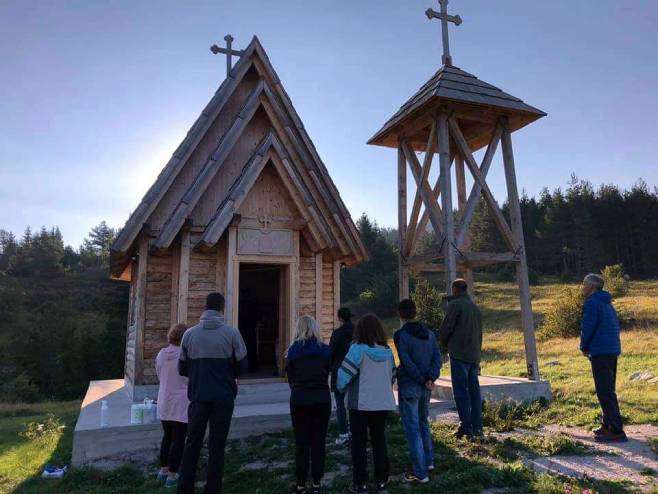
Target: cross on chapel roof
{"type": "Point", "coordinates": [445, 18]}
{"type": "Point", "coordinates": [228, 51]}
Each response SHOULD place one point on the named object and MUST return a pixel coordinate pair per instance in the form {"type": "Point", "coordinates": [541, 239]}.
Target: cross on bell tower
{"type": "Point", "coordinates": [445, 18]}
{"type": "Point", "coordinates": [228, 51]}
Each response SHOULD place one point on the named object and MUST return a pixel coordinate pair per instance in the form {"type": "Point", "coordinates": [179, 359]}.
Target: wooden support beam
{"type": "Point", "coordinates": [446, 200]}
{"type": "Point", "coordinates": [527, 320]}
{"type": "Point", "coordinates": [460, 178]}
{"type": "Point", "coordinates": [410, 244]}
{"type": "Point", "coordinates": [403, 271]}
{"type": "Point", "coordinates": [140, 308]}
{"type": "Point", "coordinates": [232, 271]}
{"type": "Point", "coordinates": [183, 275]}
{"type": "Point", "coordinates": [465, 151]}
{"type": "Point", "coordinates": [175, 273]}
{"type": "Point", "coordinates": [427, 194]}
{"type": "Point", "coordinates": [318, 287]}
{"type": "Point", "coordinates": [474, 197]}
{"type": "Point", "coordinates": [424, 258]}
{"type": "Point", "coordinates": [336, 292]}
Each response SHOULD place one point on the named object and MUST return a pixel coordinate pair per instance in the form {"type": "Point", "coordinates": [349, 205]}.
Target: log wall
{"type": "Point", "coordinates": [328, 309]}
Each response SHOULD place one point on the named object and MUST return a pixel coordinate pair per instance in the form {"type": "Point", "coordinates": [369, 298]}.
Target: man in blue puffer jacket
{"type": "Point", "coordinates": [600, 341]}
{"type": "Point", "coordinates": [420, 364]}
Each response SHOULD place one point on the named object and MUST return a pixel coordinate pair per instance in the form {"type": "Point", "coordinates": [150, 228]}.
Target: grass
{"type": "Point", "coordinates": [264, 464]}
{"type": "Point", "coordinates": [461, 467]}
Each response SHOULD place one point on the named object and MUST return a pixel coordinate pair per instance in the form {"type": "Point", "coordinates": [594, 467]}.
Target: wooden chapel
{"type": "Point", "coordinates": [453, 115]}
{"type": "Point", "coordinates": [245, 206]}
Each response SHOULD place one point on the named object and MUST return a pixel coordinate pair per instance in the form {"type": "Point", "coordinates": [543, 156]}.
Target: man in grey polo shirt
{"type": "Point", "coordinates": [212, 356]}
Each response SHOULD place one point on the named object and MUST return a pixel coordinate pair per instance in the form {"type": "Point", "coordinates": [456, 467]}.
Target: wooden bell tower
{"type": "Point", "coordinates": [453, 115]}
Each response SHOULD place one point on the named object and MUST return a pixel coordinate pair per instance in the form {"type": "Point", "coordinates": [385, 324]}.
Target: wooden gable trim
{"type": "Point", "coordinates": [269, 71]}
{"type": "Point", "coordinates": [200, 184]}
{"type": "Point", "coordinates": [151, 199]}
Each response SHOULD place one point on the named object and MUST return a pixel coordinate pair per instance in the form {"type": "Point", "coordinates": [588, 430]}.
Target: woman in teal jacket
{"type": "Point", "coordinates": [367, 374]}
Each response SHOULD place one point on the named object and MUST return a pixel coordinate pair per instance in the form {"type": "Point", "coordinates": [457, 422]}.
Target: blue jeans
{"type": "Point", "coordinates": [466, 390]}
{"type": "Point", "coordinates": [414, 402]}
{"type": "Point", "coordinates": [341, 413]}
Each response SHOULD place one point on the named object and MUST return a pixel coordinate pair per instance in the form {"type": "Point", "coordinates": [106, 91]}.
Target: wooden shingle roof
{"type": "Point", "coordinates": [286, 144]}
{"type": "Point", "coordinates": [451, 84]}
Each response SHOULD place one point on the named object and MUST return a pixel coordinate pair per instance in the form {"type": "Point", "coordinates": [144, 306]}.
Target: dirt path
{"type": "Point", "coordinates": [633, 461]}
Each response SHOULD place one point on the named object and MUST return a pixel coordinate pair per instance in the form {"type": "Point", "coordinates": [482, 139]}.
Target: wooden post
{"type": "Point", "coordinates": [527, 320]}
{"type": "Point", "coordinates": [140, 315]}
{"type": "Point", "coordinates": [403, 271]}
{"type": "Point", "coordinates": [231, 274]}
{"type": "Point", "coordinates": [336, 292]}
{"type": "Point", "coordinates": [183, 275]}
{"type": "Point", "coordinates": [318, 288]}
{"type": "Point", "coordinates": [460, 177]}
{"type": "Point", "coordinates": [446, 201]}
{"type": "Point", "coordinates": [175, 273]}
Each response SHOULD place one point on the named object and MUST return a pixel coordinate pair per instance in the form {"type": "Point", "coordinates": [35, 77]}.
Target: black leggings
{"type": "Point", "coordinates": [173, 443]}
{"type": "Point", "coordinates": [309, 423]}
{"type": "Point", "coordinates": [362, 424]}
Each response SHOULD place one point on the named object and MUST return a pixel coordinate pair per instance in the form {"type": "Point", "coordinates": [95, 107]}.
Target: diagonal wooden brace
{"type": "Point", "coordinates": [479, 178]}
{"type": "Point", "coordinates": [474, 197]}
{"type": "Point", "coordinates": [409, 243]}
{"type": "Point", "coordinates": [427, 195]}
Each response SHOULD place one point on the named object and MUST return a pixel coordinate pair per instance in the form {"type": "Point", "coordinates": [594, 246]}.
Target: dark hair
{"type": "Point", "coordinates": [175, 333]}
{"type": "Point", "coordinates": [460, 285]}
{"type": "Point", "coordinates": [369, 331]}
{"type": "Point", "coordinates": [215, 301]}
{"type": "Point", "coordinates": [345, 314]}
{"type": "Point", "coordinates": [407, 309]}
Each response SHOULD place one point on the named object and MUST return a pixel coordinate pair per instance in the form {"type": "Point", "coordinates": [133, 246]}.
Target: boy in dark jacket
{"type": "Point", "coordinates": [600, 341]}
{"type": "Point", "coordinates": [461, 336]}
{"type": "Point", "coordinates": [340, 342]}
{"type": "Point", "coordinates": [420, 364]}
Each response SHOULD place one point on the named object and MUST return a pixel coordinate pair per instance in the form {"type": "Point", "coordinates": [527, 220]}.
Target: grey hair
{"type": "Point", "coordinates": [307, 328]}
{"type": "Point", "coordinates": [594, 280]}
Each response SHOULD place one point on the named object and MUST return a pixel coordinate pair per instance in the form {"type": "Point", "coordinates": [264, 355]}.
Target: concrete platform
{"type": "Point", "coordinates": [260, 407]}
{"type": "Point", "coordinates": [498, 388]}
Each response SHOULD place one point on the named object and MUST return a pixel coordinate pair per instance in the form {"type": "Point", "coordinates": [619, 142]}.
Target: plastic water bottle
{"type": "Point", "coordinates": [105, 411]}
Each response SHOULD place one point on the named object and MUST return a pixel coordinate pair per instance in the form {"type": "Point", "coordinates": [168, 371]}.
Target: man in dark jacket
{"type": "Point", "coordinates": [461, 337]}
{"type": "Point", "coordinates": [600, 341]}
{"type": "Point", "coordinates": [212, 355]}
{"type": "Point", "coordinates": [339, 344]}
{"type": "Point", "coordinates": [420, 364]}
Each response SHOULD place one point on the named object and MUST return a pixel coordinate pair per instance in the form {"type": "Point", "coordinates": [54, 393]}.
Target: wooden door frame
{"type": "Point", "coordinates": [287, 299]}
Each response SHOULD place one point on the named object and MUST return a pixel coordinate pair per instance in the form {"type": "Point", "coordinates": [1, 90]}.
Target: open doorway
{"type": "Point", "coordinates": [259, 318]}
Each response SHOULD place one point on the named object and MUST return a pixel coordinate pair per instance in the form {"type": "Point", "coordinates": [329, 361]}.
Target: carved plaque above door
{"type": "Point", "coordinates": [255, 241]}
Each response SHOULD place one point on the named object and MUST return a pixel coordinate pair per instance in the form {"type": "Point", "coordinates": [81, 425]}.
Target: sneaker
{"type": "Point", "coordinates": [461, 434]}
{"type": "Point", "coordinates": [599, 431]}
{"type": "Point", "coordinates": [609, 436]}
{"type": "Point", "coordinates": [171, 482]}
{"type": "Point", "coordinates": [161, 477]}
{"type": "Point", "coordinates": [410, 478]}
{"type": "Point", "coordinates": [358, 489]}
{"type": "Point", "coordinates": [343, 439]}
{"type": "Point", "coordinates": [297, 490]}
{"type": "Point", "coordinates": [430, 468]}
{"type": "Point", "coordinates": [316, 489]}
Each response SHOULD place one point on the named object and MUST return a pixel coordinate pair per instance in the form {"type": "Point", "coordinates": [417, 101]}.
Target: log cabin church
{"type": "Point", "coordinates": [245, 206]}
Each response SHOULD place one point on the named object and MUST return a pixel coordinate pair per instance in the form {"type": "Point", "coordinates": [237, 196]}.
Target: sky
{"type": "Point", "coordinates": [96, 95]}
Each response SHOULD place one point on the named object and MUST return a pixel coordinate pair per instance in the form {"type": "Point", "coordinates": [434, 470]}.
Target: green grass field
{"type": "Point", "coordinates": [461, 467]}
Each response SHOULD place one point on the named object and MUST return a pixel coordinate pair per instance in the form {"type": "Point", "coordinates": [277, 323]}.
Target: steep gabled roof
{"type": "Point", "coordinates": [329, 221]}
{"type": "Point", "coordinates": [453, 84]}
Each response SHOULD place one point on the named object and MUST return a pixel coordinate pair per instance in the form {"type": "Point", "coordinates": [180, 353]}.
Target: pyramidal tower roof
{"type": "Point", "coordinates": [476, 103]}
{"type": "Point", "coordinates": [249, 123]}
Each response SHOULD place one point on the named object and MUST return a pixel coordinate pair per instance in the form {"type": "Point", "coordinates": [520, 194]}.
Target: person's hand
{"type": "Point", "coordinates": [429, 384]}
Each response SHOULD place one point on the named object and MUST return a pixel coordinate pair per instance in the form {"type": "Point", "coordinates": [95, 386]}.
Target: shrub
{"type": "Point", "coordinates": [428, 304]}
{"type": "Point", "coordinates": [40, 430]}
{"type": "Point", "coordinates": [616, 281]}
{"type": "Point", "coordinates": [563, 317]}
{"type": "Point", "coordinates": [21, 388]}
